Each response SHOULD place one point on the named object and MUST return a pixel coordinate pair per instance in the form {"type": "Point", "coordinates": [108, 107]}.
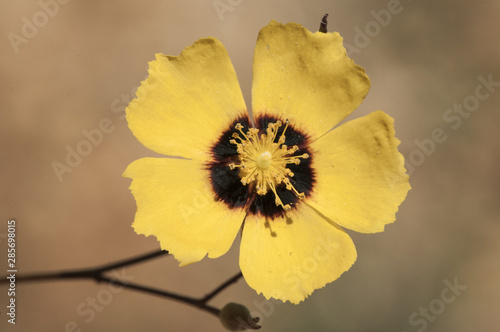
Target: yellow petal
{"type": "Point", "coordinates": [305, 77]}
{"type": "Point", "coordinates": [175, 203]}
{"type": "Point", "coordinates": [290, 257]}
{"type": "Point", "coordinates": [360, 175]}
{"type": "Point", "coordinates": [186, 101]}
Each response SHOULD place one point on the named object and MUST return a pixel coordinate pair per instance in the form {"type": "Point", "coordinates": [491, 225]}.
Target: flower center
{"type": "Point", "coordinates": [263, 160]}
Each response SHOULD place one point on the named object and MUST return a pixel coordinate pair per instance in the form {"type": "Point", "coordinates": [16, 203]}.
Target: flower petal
{"type": "Point", "coordinates": [305, 77]}
{"type": "Point", "coordinates": [360, 175]}
{"type": "Point", "coordinates": [288, 258]}
{"type": "Point", "coordinates": [186, 101]}
{"type": "Point", "coordinates": [176, 204]}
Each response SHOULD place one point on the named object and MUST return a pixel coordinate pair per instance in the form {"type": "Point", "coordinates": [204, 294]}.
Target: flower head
{"type": "Point", "coordinates": [280, 176]}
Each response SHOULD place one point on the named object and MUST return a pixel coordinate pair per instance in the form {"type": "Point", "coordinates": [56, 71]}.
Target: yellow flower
{"type": "Point", "coordinates": [281, 177]}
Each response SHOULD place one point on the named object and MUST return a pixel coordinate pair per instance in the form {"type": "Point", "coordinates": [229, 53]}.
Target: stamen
{"type": "Point", "coordinates": [263, 160]}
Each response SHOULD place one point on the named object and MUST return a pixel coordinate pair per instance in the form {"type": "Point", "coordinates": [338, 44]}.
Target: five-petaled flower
{"type": "Point", "coordinates": [278, 174]}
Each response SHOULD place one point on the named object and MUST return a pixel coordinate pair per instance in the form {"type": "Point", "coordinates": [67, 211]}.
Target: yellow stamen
{"type": "Point", "coordinates": [263, 161]}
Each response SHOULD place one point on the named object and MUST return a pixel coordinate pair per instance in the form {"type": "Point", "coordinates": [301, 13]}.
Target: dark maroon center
{"type": "Point", "coordinates": [227, 185]}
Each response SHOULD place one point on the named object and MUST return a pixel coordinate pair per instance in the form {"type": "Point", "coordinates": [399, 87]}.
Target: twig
{"type": "Point", "coordinates": [89, 272]}
{"type": "Point", "coordinates": [173, 296]}
{"type": "Point", "coordinates": [219, 289]}
{"type": "Point", "coordinates": [97, 274]}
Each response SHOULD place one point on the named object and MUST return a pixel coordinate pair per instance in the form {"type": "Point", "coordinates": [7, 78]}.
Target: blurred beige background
{"type": "Point", "coordinates": [85, 60]}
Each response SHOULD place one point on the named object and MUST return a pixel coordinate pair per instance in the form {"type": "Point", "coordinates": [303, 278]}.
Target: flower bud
{"type": "Point", "coordinates": [236, 317]}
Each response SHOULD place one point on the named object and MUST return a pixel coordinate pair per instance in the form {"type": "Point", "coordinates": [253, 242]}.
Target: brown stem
{"type": "Point", "coordinates": [97, 274]}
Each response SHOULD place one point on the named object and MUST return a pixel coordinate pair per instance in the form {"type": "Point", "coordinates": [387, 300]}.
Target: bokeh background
{"type": "Point", "coordinates": [82, 64]}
